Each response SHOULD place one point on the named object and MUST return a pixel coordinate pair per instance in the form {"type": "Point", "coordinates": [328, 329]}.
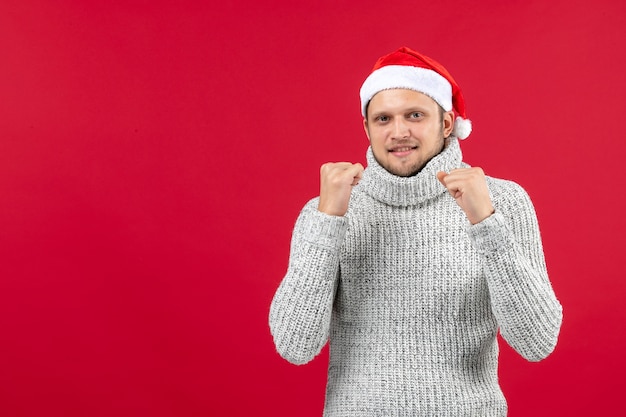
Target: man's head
{"type": "Point", "coordinates": [406, 129]}
{"type": "Point", "coordinates": [408, 104]}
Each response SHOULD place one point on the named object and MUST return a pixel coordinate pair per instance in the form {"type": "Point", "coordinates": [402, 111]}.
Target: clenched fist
{"type": "Point", "coordinates": [469, 188]}
{"type": "Point", "coordinates": [336, 182]}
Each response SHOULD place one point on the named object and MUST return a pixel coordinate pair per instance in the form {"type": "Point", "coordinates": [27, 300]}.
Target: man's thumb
{"type": "Point", "coordinates": [440, 176]}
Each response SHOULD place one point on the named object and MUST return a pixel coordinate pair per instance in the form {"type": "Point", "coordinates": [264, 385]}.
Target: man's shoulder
{"type": "Point", "coordinates": [503, 185]}
{"type": "Point", "coordinates": [507, 192]}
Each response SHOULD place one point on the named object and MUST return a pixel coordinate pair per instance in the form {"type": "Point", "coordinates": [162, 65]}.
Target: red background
{"type": "Point", "coordinates": [154, 156]}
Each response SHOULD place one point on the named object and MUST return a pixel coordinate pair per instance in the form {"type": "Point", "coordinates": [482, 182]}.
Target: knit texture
{"type": "Point", "coordinates": [411, 296]}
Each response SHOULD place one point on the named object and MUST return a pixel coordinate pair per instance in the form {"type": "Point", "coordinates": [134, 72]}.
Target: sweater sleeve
{"type": "Point", "coordinates": [522, 299]}
{"type": "Point", "coordinates": [301, 309]}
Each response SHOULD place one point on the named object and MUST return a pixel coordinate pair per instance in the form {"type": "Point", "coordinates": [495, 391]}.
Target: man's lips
{"type": "Point", "coordinates": [401, 151]}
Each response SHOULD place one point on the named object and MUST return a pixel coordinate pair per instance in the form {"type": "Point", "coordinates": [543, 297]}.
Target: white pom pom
{"type": "Point", "coordinates": [462, 128]}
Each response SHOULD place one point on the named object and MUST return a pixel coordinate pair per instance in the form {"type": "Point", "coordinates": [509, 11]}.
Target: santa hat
{"type": "Point", "coordinates": [408, 69]}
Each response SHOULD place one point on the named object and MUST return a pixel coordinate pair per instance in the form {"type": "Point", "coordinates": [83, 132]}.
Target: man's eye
{"type": "Point", "coordinates": [383, 118]}
{"type": "Point", "coordinates": [415, 115]}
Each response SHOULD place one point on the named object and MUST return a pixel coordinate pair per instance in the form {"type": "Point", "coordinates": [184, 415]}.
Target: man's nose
{"type": "Point", "coordinates": [401, 129]}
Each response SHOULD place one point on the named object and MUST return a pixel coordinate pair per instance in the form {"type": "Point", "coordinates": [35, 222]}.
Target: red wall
{"type": "Point", "coordinates": [154, 156]}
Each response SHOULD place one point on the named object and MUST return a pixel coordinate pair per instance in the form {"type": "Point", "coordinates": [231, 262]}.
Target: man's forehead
{"type": "Point", "coordinates": [401, 97]}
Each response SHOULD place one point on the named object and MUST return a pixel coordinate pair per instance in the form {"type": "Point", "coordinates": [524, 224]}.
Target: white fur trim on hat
{"type": "Point", "coordinates": [418, 79]}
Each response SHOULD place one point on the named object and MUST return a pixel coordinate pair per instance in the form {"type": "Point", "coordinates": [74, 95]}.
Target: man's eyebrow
{"type": "Point", "coordinates": [417, 108]}
{"type": "Point", "coordinates": [379, 113]}
{"type": "Point", "coordinates": [410, 109]}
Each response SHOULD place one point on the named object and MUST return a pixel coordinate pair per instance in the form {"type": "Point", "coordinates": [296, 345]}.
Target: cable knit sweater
{"type": "Point", "coordinates": [411, 296]}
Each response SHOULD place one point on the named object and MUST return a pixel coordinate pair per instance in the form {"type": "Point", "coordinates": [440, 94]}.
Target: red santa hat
{"type": "Point", "coordinates": [408, 69]}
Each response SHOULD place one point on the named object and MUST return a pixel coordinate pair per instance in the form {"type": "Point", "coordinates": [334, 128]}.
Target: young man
{"type": "Point", "coordinates": [411, 266]}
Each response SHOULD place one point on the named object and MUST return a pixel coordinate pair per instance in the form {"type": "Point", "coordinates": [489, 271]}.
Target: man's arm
{"type": "Point", "coordinates": [506, 233]}
{"type": "Point", "coordinates": [301, 310]}
{"type": "Point", "coordinates": [522, 298]}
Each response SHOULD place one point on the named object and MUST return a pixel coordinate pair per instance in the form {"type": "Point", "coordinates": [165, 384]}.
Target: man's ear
{"type": "Point", "coordinates": [448, 123]}
{"type": "Point", "coordinates": [367, 132]}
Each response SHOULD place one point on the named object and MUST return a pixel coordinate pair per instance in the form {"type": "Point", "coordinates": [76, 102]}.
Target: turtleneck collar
{"type": "Point", "coordinates": [407, 191]}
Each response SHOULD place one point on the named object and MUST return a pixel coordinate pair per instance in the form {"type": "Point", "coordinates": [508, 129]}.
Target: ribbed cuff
{"type": "Point", "coordinates": [491, 234]}
{"type": "Point", "coordinates": [322, 229]}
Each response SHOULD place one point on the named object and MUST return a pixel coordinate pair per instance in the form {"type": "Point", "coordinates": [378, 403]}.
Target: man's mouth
{"type": "Point", "coordinates": [402, 150]}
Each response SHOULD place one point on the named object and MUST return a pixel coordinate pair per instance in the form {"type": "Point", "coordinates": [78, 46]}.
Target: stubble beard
{"type": "Point", "coordinates": [416, 168]}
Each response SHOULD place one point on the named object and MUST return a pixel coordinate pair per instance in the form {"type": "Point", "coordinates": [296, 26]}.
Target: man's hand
{"type": "Point", "coordinates": [336, 182]}
{"type": "Point", "coordinates": [469, 188]}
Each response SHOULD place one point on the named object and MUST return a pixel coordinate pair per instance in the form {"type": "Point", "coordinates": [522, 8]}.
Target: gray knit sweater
{"type": "Point", "coordinates": [411, 296]}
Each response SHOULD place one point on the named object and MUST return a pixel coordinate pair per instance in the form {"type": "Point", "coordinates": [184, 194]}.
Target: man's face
{"type": "Point", "coordinates": [406, 130]}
